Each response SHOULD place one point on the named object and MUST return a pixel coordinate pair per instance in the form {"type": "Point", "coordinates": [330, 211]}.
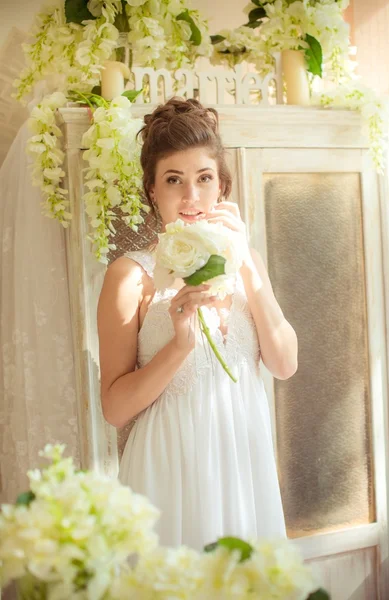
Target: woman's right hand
{"type": "Point", "coordinates": [188, 300]}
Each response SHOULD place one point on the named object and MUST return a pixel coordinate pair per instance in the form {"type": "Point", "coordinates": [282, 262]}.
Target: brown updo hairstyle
{"type": "Point", "coordinates": [179, 125]}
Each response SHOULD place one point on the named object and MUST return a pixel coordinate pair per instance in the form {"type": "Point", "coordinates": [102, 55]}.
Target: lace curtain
{"type": "Point", "coordinates": [37, 387]}
{"type": "Point", "coordinates": [37, 381]}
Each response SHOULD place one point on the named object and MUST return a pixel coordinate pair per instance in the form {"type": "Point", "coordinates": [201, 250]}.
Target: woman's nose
{"type": "Point", "coordinates": [191, 193]}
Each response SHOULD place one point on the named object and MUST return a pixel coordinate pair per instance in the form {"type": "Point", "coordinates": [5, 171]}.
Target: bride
{"type": "Point", "coordinates": [201, 446]}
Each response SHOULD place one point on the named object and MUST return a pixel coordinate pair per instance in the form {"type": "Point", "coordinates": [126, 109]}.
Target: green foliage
{"type": "Point", "coordinates": [214, 267]}
{"type": "Point", "coordinates": [25, 498]}
{"type": "Point", "coordinates": [77, 11]}
{"type": "Point", "coordinates": [233, 543]}
{"type": "Point", "coordinates": [319, 595]}
{"type": "Point", "coordinates": [131, 94]}
{"type": "Point", "coordinates": [314, 55]}
{"type": "Point", "coordinates": [216, 39]}
{"type": "Point", "coordinates": [256, 14]}
{"type": "Point", "coordinates": [196, 33]}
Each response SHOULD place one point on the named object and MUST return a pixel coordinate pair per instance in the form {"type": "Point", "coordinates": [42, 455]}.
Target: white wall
{"type": "Point", "coordinates": [221, 13]}
{"type": "Point", "coordinates": [370, 29]}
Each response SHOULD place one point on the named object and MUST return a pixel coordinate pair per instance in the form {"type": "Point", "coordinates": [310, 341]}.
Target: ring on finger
{"type": "Point", "coordinates": [180, 309]}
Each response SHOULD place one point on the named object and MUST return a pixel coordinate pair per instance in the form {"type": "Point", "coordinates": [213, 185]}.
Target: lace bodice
{"type": "Point", "coordinates": [239, 345]}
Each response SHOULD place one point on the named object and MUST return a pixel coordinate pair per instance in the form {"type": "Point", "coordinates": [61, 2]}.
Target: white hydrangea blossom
{"type": "Point", "coordinates": [114, 177]}
{"type": "Point", "coordinates": [274, 571]}
{"type": "Point", "coordinates": [80, 534]}
{"type": "Point", "coordinates": [77, 532]}
{"type": "Point", "coordinates": [163, 574]}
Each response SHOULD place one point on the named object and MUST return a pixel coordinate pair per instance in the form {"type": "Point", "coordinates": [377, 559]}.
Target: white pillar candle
{"type": "Point", "coordinates": [112, 78]}
{"type": "Point", "coordinates": [294, 72]}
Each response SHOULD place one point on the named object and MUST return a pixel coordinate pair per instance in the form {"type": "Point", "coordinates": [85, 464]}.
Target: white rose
{"type": "Point", "coordinates": [221, 286]}
{"type": "Point", "coordinates": [178, 255]}
{"type": "Point", "coordinates": [183, 250]}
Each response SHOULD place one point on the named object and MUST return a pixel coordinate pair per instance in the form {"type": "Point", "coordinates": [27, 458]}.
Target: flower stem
{"type": "Point", "coordinates": [207, 334]}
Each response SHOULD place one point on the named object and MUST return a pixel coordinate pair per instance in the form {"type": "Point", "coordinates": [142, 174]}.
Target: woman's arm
{"type": "Point", "coordinates": [125, 392]}
{"type": "Point", "coordinates": [277, 338]}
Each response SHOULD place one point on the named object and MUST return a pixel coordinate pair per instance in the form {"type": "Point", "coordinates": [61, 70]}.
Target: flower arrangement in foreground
{"type": "Point", "coordinates": [197, 253]}
{"type": "Point", "coordinates": [79, 534]}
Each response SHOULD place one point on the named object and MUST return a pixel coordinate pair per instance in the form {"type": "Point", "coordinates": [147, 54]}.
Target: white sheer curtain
{"type": "Point", "coordinates": [37, 385]}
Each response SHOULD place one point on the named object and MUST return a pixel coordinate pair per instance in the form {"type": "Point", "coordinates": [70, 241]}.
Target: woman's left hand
{"type": "Point", "coordinates": [228, 214]}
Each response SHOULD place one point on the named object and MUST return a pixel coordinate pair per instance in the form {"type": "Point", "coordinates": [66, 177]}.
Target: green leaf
{"type": "Point", "coordinates": [253, 24]}
{"type": "Point", "coordinates": [96, 90]}
{"type": "Point", "coordinates": [77, 11]}
{"type": "Point", "coordinates": [214, 267]}
{"type": "Point", "coordinates": [211, 547]}
{"type": "Point", "coordinates": [256, 14]}
{"type": "Point", "coordinates": [319, 595]}
{"type": "Point", "coordinates": [256, 2]}
{"type": "Point", "coordinates": [25, 498]}
{"type": "Point", "coordinates": [195, 38]}
{"type": "Point", "coordinates": [216, 39]}
{"type": "Point", "coordinates": [314, 55]}
{"type": "Point", "coordinates": [233, 543]}
{"type": "Point", "coordinates": [131, 94]}
{"type": "Point", "coordinates": [121, 20]}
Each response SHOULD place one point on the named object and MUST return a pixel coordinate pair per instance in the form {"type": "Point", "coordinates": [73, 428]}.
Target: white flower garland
{"type": "Point", "coordinates": [68, 50]}
{"type": "Point", "coordinates": [159, 39]}
{"type": "Point", "coordinates": [45, 149]}
{"type": "Point", "coordinates": [282, 25]}
{"type": "Point", "coordinates": [285, 26]}
{"type": "Point", "coordinates": [161, 33]}
{"type": "Point", "coordinates": [114, 175]}
{"type": "Point", "coordinates": [374, 111]}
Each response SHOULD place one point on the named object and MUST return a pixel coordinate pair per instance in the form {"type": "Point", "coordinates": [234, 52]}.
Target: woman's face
{"type": "Point", "coordinates": [187, 185]}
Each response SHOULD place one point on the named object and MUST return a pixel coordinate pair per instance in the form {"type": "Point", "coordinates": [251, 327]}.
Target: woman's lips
{"type": "Point", "coordinates": [192, 216]}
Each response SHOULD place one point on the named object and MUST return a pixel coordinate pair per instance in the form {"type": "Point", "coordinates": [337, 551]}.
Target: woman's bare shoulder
{"type": "Point", "coordinates": [125, 272]}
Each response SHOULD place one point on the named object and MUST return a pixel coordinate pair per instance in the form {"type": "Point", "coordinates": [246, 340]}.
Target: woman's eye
{"type": "Point", "coordinates": [206, 178]}
{"type": "Point", "coordinates": [173, 180]}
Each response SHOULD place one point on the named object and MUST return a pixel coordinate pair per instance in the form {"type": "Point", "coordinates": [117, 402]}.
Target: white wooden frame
{"type": "Point", "coordinates": [355, 160]}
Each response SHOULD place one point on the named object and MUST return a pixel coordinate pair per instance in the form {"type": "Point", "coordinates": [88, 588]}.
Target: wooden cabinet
{"type": "Point", "coordinates": [317, 212]}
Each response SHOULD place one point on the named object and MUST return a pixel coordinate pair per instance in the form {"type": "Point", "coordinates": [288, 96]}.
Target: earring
{"type": "Point", "coordinates": [157, 214]}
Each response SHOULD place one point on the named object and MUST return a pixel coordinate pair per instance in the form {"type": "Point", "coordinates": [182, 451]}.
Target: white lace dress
{"type": "Point", "coordinates": [202, 452]}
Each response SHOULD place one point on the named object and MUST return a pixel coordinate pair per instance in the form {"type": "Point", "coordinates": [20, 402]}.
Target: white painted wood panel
{"type": "Point", "coordinates": [349, 576]}
{"type": "Point", "coordinates": [98, 447]}
{"type": "Point", "coordinates": [252, 127]}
